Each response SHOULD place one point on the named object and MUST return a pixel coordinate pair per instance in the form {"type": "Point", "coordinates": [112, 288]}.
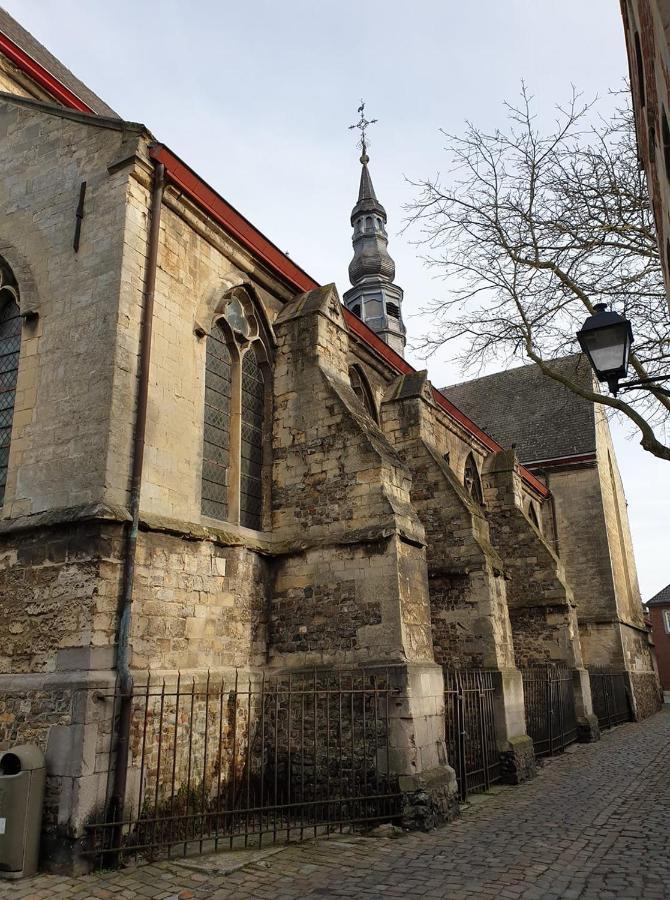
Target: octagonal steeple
{"type": "Point", "coordinates": [373, 297]}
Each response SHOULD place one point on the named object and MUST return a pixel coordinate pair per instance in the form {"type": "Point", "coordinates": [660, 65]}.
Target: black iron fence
{"type": "Point", "coordinates": [470, 728]}
{"type": "Point", "coordinates": [215, 764]}
{"type": "Point", "coordinates": [550, 708]}
{"type": "Point", "coordinates": [609, 693]}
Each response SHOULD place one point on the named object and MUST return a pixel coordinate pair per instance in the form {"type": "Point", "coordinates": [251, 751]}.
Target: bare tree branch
{"type": "Point", "coordinates": [530, 230]}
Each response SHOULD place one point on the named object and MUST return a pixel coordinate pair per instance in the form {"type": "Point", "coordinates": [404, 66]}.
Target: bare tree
{"type": "Point", "coordinates": [531, 229]}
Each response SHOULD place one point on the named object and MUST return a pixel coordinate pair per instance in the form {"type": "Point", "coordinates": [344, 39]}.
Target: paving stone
{"type": "Point", "coordinates": [594, 826]}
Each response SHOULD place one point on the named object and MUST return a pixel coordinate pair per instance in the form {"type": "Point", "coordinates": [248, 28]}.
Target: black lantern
{"type": "Point", "coordinates": [606, 338]}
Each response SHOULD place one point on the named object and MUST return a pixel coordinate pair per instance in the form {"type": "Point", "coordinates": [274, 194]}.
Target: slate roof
{"type": "Point", "coordinates": [660, 599]}
{"type": "Point", "coordinates": [521, 406]}
{"type": "Point", "coordinates": [30, 45]}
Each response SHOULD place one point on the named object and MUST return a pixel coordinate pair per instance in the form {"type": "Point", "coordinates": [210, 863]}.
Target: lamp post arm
{"type": "Point", "coordinates": [647, 384]}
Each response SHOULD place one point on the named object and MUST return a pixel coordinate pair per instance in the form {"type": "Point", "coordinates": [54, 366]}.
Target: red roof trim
{"type": "Point", "coordinates": [41, 75]}
{"type": "Point", "coordinates": [190, 183]}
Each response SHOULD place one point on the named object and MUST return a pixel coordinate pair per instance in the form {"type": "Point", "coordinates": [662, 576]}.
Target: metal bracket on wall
{"type": "Point", "coordinates": [79, 215]}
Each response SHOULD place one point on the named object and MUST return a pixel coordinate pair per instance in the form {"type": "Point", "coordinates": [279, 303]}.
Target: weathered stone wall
{"type": "Point", "coordinates": [58, 590]}
{"type": "Point", "coordinates": [197, 605]}
{"type": "Point", "coordinates": [337, 482]}
{"type": "Point", "coordinates": [544, 621]}
{"type": "Point", "coordinates": [619, 540]}
{"type": "Point", "coordinates": [197, 266]}
{"type": "Point", "coordinates": [581, 523]}
{"type": "Point", "coordinates": [470, 622]}
{"type": "Point", "coordinates": [66, 371]}
{"type": "Point", "coordinates": [643, 675]}
{"type": "Point", "coordinates": [591, 511]}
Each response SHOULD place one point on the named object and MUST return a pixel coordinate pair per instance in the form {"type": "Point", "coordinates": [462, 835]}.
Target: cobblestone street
{"type": "Point", "coordinates": [595, 823]}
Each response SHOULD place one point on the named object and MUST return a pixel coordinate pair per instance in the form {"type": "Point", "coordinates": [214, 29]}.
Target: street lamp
{"type": "Point", "coordinates": [606, 338]}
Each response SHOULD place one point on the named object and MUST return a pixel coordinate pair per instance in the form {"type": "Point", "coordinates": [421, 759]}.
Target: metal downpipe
{"type": "Point", "coordinates": [117, 799]}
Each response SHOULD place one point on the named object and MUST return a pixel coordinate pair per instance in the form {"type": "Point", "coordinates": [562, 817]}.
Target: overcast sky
{"type": "Point", "coordinates": [257, 97]}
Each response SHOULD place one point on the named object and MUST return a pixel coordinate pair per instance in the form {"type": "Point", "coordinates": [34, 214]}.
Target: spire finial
{"type": "Point", "coordinates": [362, 124]}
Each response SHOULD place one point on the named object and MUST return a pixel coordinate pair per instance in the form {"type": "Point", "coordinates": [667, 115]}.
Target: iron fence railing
{"type": "Point", "coordinates": [609, 694]}
{"type": "Point", "coordinates": [549, 697]}
{"type": "Point", "coordinates": [215, 764]}
{"type": "Point", "coordinates": [470, 728]}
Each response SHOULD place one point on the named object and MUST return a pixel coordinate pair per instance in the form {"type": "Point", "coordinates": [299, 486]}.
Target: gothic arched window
{"type": "Point", "coordinates": [10, 346]}
{"type": "Point", "coordinates": [251, 468]}
{"type": "Point", "coordinates": [472, 481]}
{"type": "Point", "coordinates": [361, 388]}
{"type": "Point", "coordinates": [216, 443]}
{"type": "Point", "coordinates": [237, 383]}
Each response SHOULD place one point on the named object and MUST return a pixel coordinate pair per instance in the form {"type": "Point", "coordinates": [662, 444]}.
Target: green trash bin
{"type": "Point", "coordinates": [22, 776]}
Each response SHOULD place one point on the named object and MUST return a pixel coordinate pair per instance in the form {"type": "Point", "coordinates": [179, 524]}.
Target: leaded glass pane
{"type": "Point", "coordinates": [10, 345]}
{"type": "Point", "coordinates": [216, 443]}
{"type": "Point", "coordinates": [251, 462]}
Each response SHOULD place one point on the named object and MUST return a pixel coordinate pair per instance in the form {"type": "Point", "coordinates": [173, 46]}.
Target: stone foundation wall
{"type": "Point", "coordinates": [322, 604]}
{"type": "Point", "coordinates": [543, 634]}
{"type": "Point", "coordinates": [647, 696]}
{"type": "Point", "coordinates": [59, 588]}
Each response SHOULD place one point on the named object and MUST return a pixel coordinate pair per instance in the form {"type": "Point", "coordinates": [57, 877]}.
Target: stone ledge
{"type": "Point", "coordinates": [65, 515]}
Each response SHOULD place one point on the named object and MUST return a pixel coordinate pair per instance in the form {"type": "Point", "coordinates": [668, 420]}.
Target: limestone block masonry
{"type": "Point", "coordinates": [388, 531]}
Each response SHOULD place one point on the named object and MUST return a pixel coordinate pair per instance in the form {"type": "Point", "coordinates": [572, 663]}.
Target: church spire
{"type": "Point", "coordinates": [373, 295]}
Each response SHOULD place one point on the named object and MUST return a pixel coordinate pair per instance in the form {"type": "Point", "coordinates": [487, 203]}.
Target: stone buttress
{"type": "Point", "coordinates": [541, 604]}
{"type": "Point", "coordinates": [350, 573]}
{"type": "Point", "coordinates": [470, 619]}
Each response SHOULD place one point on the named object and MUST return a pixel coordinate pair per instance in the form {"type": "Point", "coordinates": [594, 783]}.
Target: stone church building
{"type": "Point", "coordinates": [208, 462]}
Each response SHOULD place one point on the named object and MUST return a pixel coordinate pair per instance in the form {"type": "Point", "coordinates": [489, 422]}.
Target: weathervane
{"type": "Point", "coordinates": [362, 124]}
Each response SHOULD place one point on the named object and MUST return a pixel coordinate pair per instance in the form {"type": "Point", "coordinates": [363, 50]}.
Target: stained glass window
{"type": "Point", "coordinates": [251, 462]}
{"type": "Point", "coordinates": [216, 446]}
{"type": "Point", "coordinates": [10, 346]}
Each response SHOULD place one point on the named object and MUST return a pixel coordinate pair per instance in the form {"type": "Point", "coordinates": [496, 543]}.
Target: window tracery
{"type": "Point", "coordinates": [236, 400]}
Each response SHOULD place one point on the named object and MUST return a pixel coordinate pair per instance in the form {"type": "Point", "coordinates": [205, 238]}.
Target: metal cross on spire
{"type": "Point", "coordinates": [362, 124]}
